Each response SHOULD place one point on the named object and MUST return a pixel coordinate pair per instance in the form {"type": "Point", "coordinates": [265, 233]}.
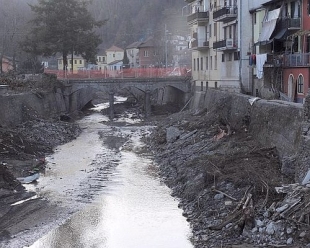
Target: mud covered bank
{"type": "Point", "coordinates": [22, 152]}
{"type": "Point", "coordinates": [226, 182]}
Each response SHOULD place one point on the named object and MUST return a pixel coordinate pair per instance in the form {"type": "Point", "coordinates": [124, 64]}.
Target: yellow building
{"type": "Point", "coordinates": [78, 63]}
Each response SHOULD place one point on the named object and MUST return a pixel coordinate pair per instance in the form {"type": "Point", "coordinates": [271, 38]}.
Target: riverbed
{"type": "Point", "coordinates": [107, 180]}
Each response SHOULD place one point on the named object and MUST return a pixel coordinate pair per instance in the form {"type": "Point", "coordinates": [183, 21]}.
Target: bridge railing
{"type": "Point", "coordinates": [124, 73]}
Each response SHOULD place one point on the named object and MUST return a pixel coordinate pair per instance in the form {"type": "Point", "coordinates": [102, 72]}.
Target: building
{"type": "Point", "coordinates": [101, 59]}
{"type": "Point", "coordinates": [150, 53]}
{"type": "Point", "coordinates": [79, 63]}
{"type": "Point", "coordinates": [278, 57]}
{"type": "Point", "coordinates": [114, 53]}
{"type": "Point", "coordinates": [219, 54]}
{"type": "Point", "coordinates": [133, 54]}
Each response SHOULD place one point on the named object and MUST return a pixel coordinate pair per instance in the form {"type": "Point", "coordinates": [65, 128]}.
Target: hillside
{"type": "Point", "coordinates": [133, 20]}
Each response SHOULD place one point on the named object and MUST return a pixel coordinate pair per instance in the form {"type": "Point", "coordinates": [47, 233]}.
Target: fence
{"type": "Point", "coordinates": [124, 73]}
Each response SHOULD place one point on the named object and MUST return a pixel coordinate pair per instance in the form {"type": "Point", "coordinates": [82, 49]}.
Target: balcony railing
{"type": "Point", "coordinates": [198, 17]}
{"type": "Point", "coordinates": [290, 23]}
{"type": "Point", "coordinates": [227, 44]}
{"type": "Point", "coordinates": [225, 14]}
{"type": "Point", "coordinates": [274, 60]}
{"type": "Point", "coordinates": [296, 60]}
{"type": "Point", "coordinates": [200, 44]}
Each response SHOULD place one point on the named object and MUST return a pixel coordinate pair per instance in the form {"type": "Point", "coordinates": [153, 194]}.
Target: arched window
{"type": "Point", "coordinates": [300, 84]}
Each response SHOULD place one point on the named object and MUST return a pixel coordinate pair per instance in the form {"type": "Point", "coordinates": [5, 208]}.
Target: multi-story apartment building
{"type": "Point", "coordinates": [279, 53]}
{"type": "Point", "coordinates": [220, 43]}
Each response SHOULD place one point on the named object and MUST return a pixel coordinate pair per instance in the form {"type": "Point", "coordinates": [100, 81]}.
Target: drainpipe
{"type": "Point", "coordinates": [241, 44]}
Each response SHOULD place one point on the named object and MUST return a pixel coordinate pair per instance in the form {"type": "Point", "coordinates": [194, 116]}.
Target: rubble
{"type": "Point", "coordinates": [231, 188]}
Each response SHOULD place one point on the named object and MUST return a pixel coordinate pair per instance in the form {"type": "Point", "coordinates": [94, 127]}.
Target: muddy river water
{"type": "Point", "coordinates": [111, 186]}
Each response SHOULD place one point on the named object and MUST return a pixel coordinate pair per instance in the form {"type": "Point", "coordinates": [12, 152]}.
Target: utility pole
{"type": "Point", "coordinates": [166, 49]}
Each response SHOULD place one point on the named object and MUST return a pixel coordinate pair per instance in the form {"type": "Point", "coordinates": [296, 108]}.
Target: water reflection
{"type": "Point", "coordinates": [135, 212]}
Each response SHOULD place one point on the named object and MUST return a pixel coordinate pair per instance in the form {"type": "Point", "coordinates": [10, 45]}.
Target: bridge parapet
{"type": "Point", "coordinates": [181, 83]}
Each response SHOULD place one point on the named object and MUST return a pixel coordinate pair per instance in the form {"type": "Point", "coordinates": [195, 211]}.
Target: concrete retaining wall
{"type": "Point", "coordinates": [18, 108]}
{"type": "Point", "coordinates": [272, 123]}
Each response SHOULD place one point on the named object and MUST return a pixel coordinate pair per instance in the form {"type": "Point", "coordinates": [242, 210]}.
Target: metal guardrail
{"type": "Point", "coordinates": [124, 73]}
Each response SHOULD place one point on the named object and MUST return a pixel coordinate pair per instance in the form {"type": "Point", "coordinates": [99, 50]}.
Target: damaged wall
{"type": "Point", "coordinates": [270, 122]}
{"type": "Point", "coordinates": [17, 108]}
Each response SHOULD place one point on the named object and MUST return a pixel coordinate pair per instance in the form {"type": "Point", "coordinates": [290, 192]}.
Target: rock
{"type": "Point", "coordinates": [271, 228]}
{"type": "Point", "coordinates": [288, 166]}
{"type": "Point", "coordinates": [218, 196]}
{"type": "Point", "coordinates": [289, 230]}
{"type": "Point", "coordinates": [259, 223]}
{"type": "Point", "coordinates": [289, 241]}
{"type": "Point", "coordinates": [172, 134]}
{"type": "Point", "coordinates": [302, 234]}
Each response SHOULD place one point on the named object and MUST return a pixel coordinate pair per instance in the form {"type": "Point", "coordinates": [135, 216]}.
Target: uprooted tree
{"type": "Point", "coordinates": [63, 26]}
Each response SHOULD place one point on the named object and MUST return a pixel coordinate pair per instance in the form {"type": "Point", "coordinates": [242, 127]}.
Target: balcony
{"type": "Point", "coordinates": [274, 60]}
{"type": "Point", "coordinates": [199, 42]}
{"type": "Point", "coordinates": [225, 45]}
{"type": "Point", "coordinates": [289, 23]}
{"type": "Point", "coordinates": [225, 14]}
{"type": "Point", "coordinates": [199, 18]}
{"type": "Point", "coordinates": [296, 60]}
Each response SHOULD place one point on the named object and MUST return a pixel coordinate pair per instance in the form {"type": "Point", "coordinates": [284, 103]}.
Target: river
{"type": "Point", "coordinates": [110, 184]}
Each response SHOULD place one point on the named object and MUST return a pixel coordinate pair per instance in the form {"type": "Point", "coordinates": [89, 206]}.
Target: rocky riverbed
{"type": "Point", "coordinates": [230, 188]}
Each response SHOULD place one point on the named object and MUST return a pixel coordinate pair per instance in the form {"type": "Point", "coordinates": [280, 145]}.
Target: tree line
{"type": "Point", "coordinates": [34, 28]}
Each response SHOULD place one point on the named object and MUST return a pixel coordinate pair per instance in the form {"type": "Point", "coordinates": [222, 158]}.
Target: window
{"type": "Point", "coordinates": [113, 55]}
{"type": "Point", "coordinates": [254, 17]}
{"type": "Point", "coordinates": [201, 63]}
{"type": "Point", "coordinates": [223, 57]}
{"type": "Point", "coordinates": [236, 55]}
{"type": "Point", "coordinates": [211, 62]}
{"type": "Point", "coordinates": [215, 62]}
{"type": "Point", "coordinates": [146, 53]}
{"type": "Point", "coordinates": [194, 64]}
{"type": "Point", "coordinates": [75, 61]}
{"type": "Point", "coordinates": [300, 84]}
{"type": "Point", "coordinates": [230, 57]}
{"type": "Point", "coordinates": [99, 59]}
{"type": "Point", "coordinates": [60, 62]}
{"type": "Point", "coordinates": [197, 64]}
{"type": "Point", "coordinates": [201, 86]}
{"type": "Point", "coordinates": [230, 32]}
{"type": "Point", "coordinates": [215, 29]}
{"type": "Point", "coordinates": [80, 61]}
{"type": "Point", "coordinates": [207, 63]}
{"type": "Point", "coordinates": [207, 84]}
{"type": "Point", "coordinates": [215, 85]}
{"type": "Point", "coordinates": [210, 30]}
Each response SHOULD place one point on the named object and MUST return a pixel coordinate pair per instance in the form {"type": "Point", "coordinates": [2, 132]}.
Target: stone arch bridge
{"type": "Point", "coordinates": [172, 89]}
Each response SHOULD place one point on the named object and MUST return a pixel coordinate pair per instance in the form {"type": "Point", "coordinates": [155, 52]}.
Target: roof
{"type": "Point", "coordinates": [148, 43]}
{"type": "Point", "coordinates": [136, 44]}
{"type": "Point", "coordinates": [115, 62]}
{"type": "Point", "coordinates": [115, 49]}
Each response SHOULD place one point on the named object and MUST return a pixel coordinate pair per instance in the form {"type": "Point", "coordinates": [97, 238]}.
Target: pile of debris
{"type": "Point", "coordinates": [229, 186]}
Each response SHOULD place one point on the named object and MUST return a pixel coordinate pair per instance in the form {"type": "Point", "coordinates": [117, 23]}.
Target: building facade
{"type": "Point", "coordinates": [220, 43]}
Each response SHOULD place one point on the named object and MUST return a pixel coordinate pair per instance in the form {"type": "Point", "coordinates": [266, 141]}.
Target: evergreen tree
{"type": "Point", "coordinates": [125, 60]}
{"type": "Point", "coordinates": [63, 26]}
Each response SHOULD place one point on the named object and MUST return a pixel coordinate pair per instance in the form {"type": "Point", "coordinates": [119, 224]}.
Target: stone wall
{"type": "Point", "coordinates": [272, 123]}
{"type": "Point", "coordinates": [18, 108]}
